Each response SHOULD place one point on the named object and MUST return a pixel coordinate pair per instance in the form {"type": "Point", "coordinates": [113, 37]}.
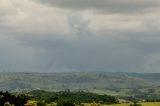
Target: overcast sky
{"type": "Point", "coordinates": [80, 35]}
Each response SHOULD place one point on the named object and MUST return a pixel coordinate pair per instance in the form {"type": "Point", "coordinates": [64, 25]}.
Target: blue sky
{"type": "Point", "coordinates": [79, 35]}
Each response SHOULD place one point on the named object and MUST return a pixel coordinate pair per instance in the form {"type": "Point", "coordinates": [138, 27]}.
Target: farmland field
{"type": "Point", "coordinates": [123, 104]}
{"type": "Point", "coordinates": [128, 104]}
{"type": "Point", "coordinates": [143, 104]}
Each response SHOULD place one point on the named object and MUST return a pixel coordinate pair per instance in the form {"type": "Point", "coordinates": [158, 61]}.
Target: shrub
{"type": "Point", "coordinates": [41, 103]}
{"type": "Point", "coordinates": [65, 103]}
{"type": "Point", "coordinates": [135, 104]}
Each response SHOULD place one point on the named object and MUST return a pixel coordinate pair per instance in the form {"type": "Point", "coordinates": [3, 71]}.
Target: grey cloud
{"type": "Point", "coordinates": [35, 48]}
{"type": "Point", "coordinates": [85, 53]}
{"type": "Point", "coordinates": [88, 55]}
{"type": "Point", "coordinates": [108, 6]}
{"type": "Point", "coordinates": [79, 25]}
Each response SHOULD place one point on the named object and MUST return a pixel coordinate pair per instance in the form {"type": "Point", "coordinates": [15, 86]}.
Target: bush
{"type": "Point", "coordinates": [135, 104]}
{"type": "Point", "coordinates": [65, 103]}
{"type": "Point", "coordinates": [41, 103]}
{"type": "Point", "coordinates": [7, 104]}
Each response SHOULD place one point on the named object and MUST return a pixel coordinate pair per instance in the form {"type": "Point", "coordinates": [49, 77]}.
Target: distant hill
{"type": "Point", "coordinates": [89, 81]}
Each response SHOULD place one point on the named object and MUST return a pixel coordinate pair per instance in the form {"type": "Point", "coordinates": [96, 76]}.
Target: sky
{"type": "Point", "coordinates": [80, 36]}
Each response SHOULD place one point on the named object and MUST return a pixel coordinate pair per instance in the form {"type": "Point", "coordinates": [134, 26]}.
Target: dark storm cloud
{"type": "Point", "coordinates": [36, 37]}
{"type": "Point", "coordinates": [108, 6]}
{"type": "Point", "coordinates": [96, 54]}
{"type": "Point", "coordinates": [84, 53]}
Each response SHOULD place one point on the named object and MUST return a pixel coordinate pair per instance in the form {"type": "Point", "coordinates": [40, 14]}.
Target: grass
{"type": "Point", "coordinates": [122, 104]}
{"type": "Point", "coordinates": [143, 104]}
{"type": "Point", "coordinates": [107, 92]}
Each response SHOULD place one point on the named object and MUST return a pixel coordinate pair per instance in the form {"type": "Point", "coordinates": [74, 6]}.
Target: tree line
{"type": "Point", "coordinates": [76, 97]}
{"type": "Point", "coordinates": [6, 97]}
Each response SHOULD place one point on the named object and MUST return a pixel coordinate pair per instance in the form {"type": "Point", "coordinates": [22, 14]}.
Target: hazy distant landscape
{"type": "Point", "coordinates": [117, 84]}
{"type": "Point", "coordinates": [82, 87]}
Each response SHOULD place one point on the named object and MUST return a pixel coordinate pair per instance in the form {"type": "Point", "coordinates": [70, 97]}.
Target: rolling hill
{"type": "Point", "coordinates": [77, 81]}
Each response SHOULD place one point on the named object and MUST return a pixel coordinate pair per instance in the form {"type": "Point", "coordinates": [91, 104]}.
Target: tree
{"type": "Point", "coordinates": [41, 103]}
{"type": "Point", "coordinates": [65, 103]}
{"type": "Point", "coordinates": [135, 104]}
{"type": "Point", "coordinates": [7, 104]}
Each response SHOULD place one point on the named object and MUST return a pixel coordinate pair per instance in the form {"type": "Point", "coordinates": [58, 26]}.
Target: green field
{"type": "Point", "coordinates": [143, 104]}
{"type": "Point", "coordinates": [123, 104]}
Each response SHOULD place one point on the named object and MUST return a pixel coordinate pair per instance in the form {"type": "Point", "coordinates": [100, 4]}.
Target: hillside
{"type": "Point", "coordinates": [77, 81]}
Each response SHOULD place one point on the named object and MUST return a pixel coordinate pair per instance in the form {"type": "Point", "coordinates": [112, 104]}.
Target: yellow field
{"type": "Point", "coordinates": [143, 104]}
{"type": "Point", "coordinates": [123, 104]}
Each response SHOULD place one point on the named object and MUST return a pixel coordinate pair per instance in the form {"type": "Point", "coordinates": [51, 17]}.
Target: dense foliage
{"type": "Point", "coordinates": [41, 103]}
{"type": "Point", "coordinates": [76, 97]}
{"type": "Point", "coordinates": [65, 103]}
{"type": "Point", "coordinates": [6, 97]}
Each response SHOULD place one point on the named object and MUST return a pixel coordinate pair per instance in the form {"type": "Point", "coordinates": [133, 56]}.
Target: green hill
{"type": "Point", "coordinates": [97, 82]}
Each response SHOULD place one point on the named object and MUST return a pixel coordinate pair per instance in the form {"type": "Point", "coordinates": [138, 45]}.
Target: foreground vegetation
{"type": "Point", "coordinates": [6, 99]}
{"type": "Point", "coordinates": [67, 98]}
{"type": "Point", "coordinates": [76, 97]}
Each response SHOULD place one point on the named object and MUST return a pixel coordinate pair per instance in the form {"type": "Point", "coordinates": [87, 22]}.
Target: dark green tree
{"type": "Point", "coordinates": [65, 103]}
{"type": "Point", "coordinates": [41, 103]}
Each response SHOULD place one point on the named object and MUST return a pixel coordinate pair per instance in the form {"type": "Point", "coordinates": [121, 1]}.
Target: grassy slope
{"type": "Point", "coordinates": [72, 80]}
{"type": "Point", "coordinates": [101, 83]}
